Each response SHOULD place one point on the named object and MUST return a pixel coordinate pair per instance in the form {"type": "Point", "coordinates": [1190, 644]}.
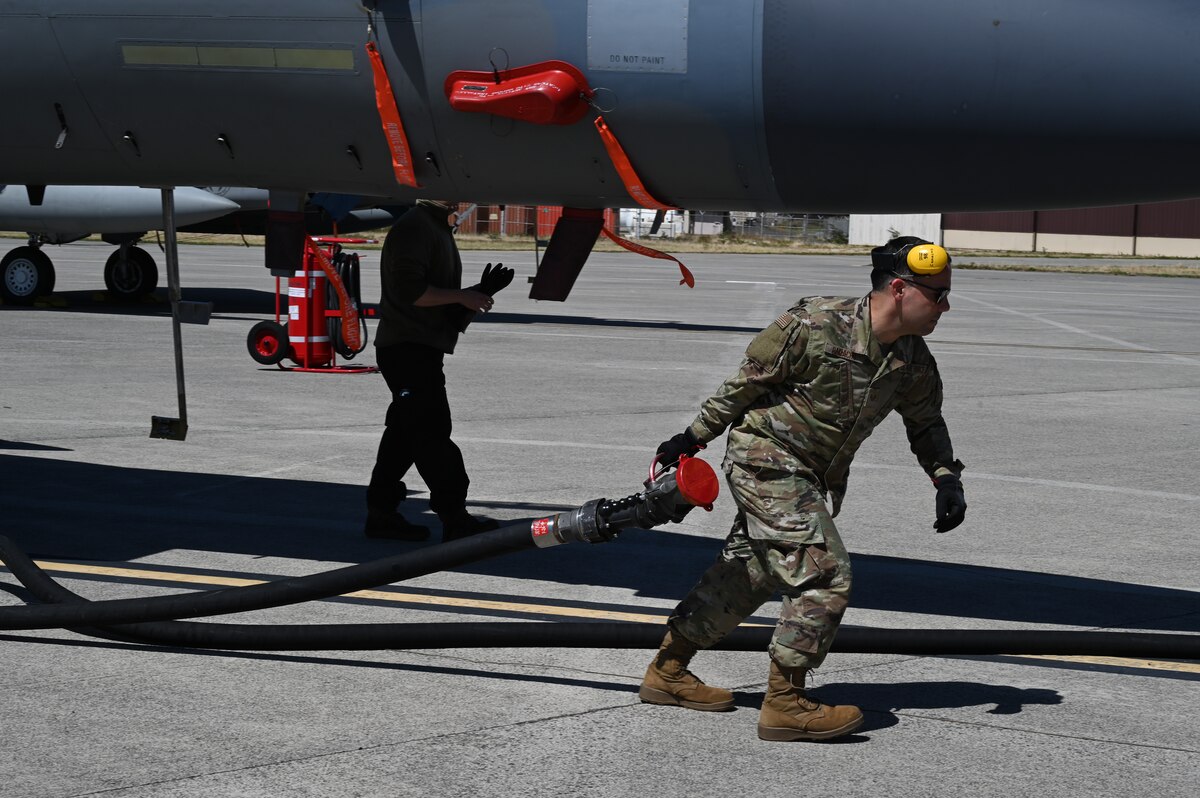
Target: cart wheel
{"type": "Point", "coordinates": [268, 342]}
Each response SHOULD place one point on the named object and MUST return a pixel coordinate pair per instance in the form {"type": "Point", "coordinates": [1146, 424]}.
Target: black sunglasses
{"type": "Point", "coordinates": [939, 296]}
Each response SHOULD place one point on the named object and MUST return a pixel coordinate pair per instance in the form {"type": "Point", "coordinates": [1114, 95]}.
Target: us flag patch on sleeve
{"type": "Point", "coordinates": [784, 320]}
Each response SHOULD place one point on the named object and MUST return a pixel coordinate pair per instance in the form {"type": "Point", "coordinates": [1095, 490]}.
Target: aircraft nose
{"type": "Point", "coordinates": [206, 201]}
{"type": "Point", "coordinates": [194, 205]}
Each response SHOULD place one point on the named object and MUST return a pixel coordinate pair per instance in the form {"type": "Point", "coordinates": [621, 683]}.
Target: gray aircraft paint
{"type": "Point", "coordinates": [71, 212]}
{"type": "Point", "coordinates": [621, 39]}
{"type": "Point", "coordinates": [821, 105]}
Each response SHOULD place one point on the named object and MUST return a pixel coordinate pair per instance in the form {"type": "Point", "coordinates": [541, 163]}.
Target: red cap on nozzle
{"type": "Point", "coordinates": [697, 482]}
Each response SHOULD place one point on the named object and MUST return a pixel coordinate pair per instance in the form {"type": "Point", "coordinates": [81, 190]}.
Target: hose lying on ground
{"type": "Point", "coordinates": [668, 497]}
{"type": "Point", "coordinates": [346, 637]}
{"type": "Point", "coordinates": [272, 594]}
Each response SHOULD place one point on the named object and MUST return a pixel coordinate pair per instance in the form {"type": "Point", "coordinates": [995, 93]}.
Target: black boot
{"type": "Point", "coordinates": [382, 519]}
{"type": "Point", "coordinates": [462, 524]}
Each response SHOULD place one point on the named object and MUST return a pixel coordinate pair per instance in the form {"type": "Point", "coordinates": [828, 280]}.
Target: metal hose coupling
{"type": "Point", "coordinates": [669, 495]}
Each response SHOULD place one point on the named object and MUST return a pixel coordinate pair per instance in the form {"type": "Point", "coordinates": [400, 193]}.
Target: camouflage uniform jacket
{"type": "Point", "coordinates": [815, 384]}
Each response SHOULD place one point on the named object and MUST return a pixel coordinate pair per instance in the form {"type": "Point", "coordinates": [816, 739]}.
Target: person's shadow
{"type": "Point", "coordinates": [881, 702]}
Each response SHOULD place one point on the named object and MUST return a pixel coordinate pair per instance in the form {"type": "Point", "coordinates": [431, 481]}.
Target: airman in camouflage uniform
{"type": "Point", "coordinates": [813, 385]}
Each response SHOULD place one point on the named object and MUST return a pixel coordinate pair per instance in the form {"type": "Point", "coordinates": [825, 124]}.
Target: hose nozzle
{"type": "Point", "coordinates": [669, 496]}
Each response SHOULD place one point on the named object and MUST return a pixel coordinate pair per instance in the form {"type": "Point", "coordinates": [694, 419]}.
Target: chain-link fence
{"type": "Point", "coordinates": [773, 227]}
{"type": "Point", "coordinates": [526, 220]}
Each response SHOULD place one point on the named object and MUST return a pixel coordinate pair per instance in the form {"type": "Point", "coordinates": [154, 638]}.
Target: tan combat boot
{"type": "Point", "coordinates": [789, 714]}
{"type": "Point", "coordinates": [668, 681]}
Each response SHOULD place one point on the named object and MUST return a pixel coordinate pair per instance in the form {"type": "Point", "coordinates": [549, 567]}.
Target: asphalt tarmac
{"type": "Point", "coordinates": [1071, 398]}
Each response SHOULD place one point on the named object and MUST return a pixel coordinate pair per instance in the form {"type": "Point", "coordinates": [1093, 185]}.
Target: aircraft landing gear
{"type": "Point", "coordinates": [25, 274]}
{"type": "Point", "coordinates": [130, 273]}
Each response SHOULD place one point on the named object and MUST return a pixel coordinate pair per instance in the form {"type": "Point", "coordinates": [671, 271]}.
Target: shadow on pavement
{"type": "Point", "coordinates": [902, 696]}
{"type": "Point", "coordinates": [225, 300]}
{"type": "Point", "coordinates": [262, 302]}
{"type": "Point", "coordinates": [488, 672]}
{"type": "Point", "coordinates": [880, 701]}
{"type": "Point", "coordinates": [78, 511]}
{"type": "Point", "coordinates": [30, 447]}
{"type": "Point", "coordinates": [592, 321]}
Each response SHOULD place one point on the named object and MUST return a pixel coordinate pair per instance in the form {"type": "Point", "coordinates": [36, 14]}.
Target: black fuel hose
{"type": "Point", "coordinates": [351, 637]}
{"type": "Point", "coordinates": [669, 496]}
{"type": "Point", "coordinates": [346, 267]}
{"type": "Point", "coordinates": [272, 594]}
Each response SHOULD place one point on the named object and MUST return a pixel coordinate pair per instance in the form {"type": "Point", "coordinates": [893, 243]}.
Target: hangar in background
{"type": "Point", "coordinates": [1157, 229]}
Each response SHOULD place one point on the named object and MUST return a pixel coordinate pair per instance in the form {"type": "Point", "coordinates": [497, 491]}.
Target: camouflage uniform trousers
{"type": "Point", "coordinates": [783, 539]}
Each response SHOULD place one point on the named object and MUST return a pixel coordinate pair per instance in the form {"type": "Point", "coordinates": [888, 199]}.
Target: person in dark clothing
{"type": "Point", "coordinates": [423, 309]}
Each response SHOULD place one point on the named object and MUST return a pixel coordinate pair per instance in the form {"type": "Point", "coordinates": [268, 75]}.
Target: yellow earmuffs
{"type": "Point", "coordinates": [927, 259]}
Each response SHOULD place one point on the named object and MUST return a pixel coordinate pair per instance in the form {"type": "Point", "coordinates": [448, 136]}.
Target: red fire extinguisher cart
{"type": "Point", "coordinates": [324, 315]}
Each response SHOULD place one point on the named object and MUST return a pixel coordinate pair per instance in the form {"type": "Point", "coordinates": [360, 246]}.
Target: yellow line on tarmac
{"type": "Point", "coordinates": [138, 573]}
{"type": "Point", "coordinates": [377, 595]}
{"type": "Point", "coordinates": [1120, 662]}
{"type": "Point", "coordinates": [536, 609]}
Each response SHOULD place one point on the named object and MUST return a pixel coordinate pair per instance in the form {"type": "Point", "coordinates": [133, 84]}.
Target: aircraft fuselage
{"type": "Point", "coordinates": [830, 106]}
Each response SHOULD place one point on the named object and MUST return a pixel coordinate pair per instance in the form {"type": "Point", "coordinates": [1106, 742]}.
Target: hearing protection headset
{"type": "Point", "coordinates": [918, 255]}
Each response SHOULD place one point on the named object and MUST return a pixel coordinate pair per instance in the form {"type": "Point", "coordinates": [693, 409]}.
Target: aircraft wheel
{"type": "Point", "coordinates": [25, 274]}
{"type": "Point", "coordinates": [268, 342]}
{"type": "Point", "coordinates": [132, 275]}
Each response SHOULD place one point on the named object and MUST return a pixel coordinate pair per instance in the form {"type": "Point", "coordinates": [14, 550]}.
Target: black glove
{"type": "Point", "coordinates": [951, 503]}
{"type": "Point", "coordinates": [669, 451]}
{"type": "Point", "coordinates": [495, 279]}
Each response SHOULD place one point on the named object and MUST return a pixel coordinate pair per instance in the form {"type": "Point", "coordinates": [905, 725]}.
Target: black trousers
{"type": "Point", "coordinates": [417, 432]}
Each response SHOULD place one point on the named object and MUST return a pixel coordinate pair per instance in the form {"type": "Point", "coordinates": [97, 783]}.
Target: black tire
{"type": "Point", "coordinates": [26, 273]}
{"type": "Point", "coordinates": [268, 343]}
{"type": "Point", "coordinates": [131, 276]}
